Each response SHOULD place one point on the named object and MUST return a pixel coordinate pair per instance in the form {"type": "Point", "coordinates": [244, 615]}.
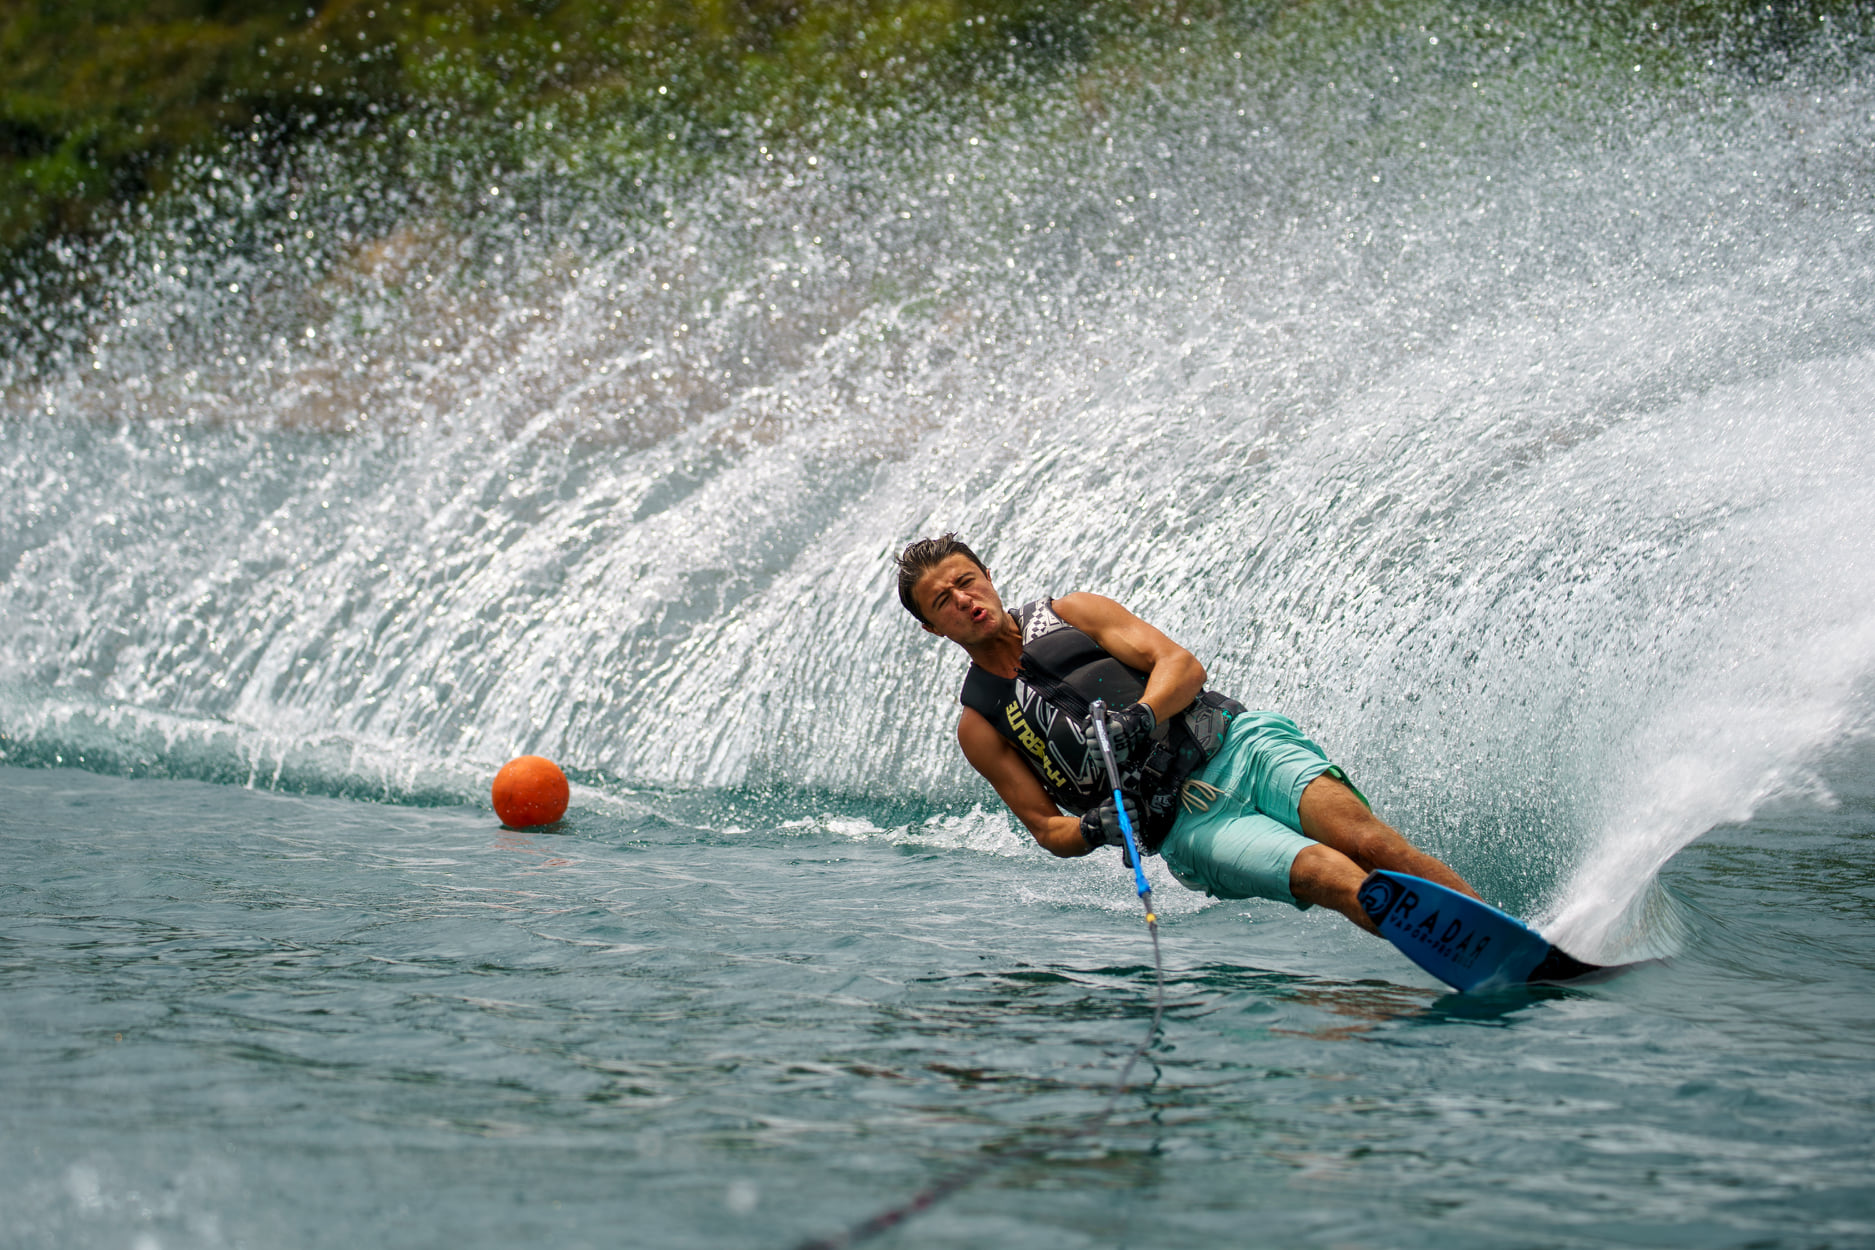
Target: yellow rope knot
{"type": "Point", "coordinates": [1197, 796]}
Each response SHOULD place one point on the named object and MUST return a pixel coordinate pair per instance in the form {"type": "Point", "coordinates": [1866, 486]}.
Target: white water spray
{"type": "Point", "coordinates": [1524, 460]}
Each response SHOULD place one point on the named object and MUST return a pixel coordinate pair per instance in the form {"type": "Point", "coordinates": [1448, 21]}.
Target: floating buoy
{"type": "Point", "coordinates": [530, 791]}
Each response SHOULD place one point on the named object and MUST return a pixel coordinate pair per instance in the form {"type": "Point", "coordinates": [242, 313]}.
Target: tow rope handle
{"type": "Point", "coordinates": [1097, 712]}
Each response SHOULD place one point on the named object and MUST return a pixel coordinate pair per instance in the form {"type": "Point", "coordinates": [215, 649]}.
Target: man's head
{"type": "Point", "coordinates": [920, 558]}
{"type": "Point", "coordinates": [941, 578]}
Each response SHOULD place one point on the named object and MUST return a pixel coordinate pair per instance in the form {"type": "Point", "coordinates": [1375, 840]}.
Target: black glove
{"type": "Point", "coordinates": [1129, 728]}
{"type": "Point", "coordinates": [1100, 826]}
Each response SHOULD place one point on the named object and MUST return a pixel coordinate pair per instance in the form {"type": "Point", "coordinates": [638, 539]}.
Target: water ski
{"type": "Point", "coordinates": [1467, 944]}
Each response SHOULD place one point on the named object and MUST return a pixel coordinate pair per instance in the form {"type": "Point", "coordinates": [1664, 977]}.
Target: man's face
{"type": "Point", "coordinates": [958, 601]}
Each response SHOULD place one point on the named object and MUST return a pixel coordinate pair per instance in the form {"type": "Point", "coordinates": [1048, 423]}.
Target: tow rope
{"type": "Point", "coordinates": [928, 1197]}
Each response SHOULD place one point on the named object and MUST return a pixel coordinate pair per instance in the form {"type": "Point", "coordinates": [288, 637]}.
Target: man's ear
{"type": "Point", "coordinates": [926, 626]}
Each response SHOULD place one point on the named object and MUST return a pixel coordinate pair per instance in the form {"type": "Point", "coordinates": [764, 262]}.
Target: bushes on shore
{"type": "Point", "coordinates": [103, 98]}
{"type": "Point", "coordinates": [104, 102]}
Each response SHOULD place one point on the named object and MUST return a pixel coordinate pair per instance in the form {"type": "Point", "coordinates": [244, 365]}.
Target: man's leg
{"type": "Point", "coordinates": [1325, 877]}
{"type": "Point", "coordinates": [1332, 815]}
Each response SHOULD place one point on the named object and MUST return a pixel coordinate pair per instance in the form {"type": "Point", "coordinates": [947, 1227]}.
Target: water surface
{"type": "Point", "coordinates": [236, 1018]}
{"type": "Point", "coordinates": [1500, 408]}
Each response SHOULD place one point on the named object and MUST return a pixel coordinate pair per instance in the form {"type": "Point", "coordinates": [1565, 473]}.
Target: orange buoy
{"type": "Point", "coordinates": [530, 791]}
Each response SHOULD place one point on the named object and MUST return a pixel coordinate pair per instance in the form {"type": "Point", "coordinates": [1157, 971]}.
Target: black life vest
{"type": "Point", "coordinates": [1043, 710]}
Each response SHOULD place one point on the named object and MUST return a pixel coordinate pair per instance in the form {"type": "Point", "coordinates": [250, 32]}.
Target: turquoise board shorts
{"type": "Point", "coordinates": [1245, 843]}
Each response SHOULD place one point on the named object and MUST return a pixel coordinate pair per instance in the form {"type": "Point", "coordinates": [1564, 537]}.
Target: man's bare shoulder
{"type": "Point", "coordinates": [972, 724]}
{"type": "Point", "coordinates": [1087, 611]}
{"type": "Point", "coordinates": [982, 745]}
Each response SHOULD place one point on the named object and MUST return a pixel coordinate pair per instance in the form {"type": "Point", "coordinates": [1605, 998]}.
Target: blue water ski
{"type": "Point", "coordinates": [1466, 944]}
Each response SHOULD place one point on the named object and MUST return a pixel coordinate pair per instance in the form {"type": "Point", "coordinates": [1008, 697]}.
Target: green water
{"type": "Point", "coordinates": [1491, 391]}
{"type": "Point", "coordinates": [239, 1019]}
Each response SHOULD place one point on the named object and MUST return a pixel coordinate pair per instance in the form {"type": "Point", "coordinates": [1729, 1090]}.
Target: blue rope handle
{"type": "Point", "coordinates": [1097, 711]}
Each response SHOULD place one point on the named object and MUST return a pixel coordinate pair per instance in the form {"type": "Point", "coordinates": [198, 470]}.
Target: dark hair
{"type": "Point", "coordinates": [921, 557]}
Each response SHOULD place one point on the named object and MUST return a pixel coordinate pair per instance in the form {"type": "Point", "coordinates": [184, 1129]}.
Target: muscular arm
{"type": "Point", "coordinates": [1174, 676]}
{"type": "Point", "coordinates": [993, 756]}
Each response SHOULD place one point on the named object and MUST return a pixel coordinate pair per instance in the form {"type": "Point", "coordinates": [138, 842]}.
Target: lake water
{"type": "Point", "coordinates": [247, 1019]}
{"type": "Point", "coordinates": [1499, 407]}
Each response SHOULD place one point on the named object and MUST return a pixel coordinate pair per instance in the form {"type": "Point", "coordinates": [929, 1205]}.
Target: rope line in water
{"type": "Point", "coordinates": [935, 1193]}
{"type": "Point", "coordinates": [929, 1197]}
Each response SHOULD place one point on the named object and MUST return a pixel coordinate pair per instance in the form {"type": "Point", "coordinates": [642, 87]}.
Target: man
{"type": "Point", "coordinates": [1238, 803]}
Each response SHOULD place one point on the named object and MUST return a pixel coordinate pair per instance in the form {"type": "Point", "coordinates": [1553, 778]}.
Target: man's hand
{"type": "Point", "coordinates": [1100, 826]}
{"type": "Point", "coordinates": [1129, 728]}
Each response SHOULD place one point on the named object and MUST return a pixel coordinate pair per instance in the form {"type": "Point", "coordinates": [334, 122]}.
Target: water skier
{"type": "Point", "coordinates": [1238, 803]}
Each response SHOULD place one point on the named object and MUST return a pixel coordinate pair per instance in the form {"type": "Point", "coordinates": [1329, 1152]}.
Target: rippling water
{"type": "Point", "coordinates": [235, 1018]}
{"type": "Point", "coordinates": [1501, 409]}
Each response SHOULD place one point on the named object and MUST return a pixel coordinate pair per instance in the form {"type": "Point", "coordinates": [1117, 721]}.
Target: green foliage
{"type": "Point", "coordinates": [102, 98]}
{"type": "Point", "coordinates": [104, 101]}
